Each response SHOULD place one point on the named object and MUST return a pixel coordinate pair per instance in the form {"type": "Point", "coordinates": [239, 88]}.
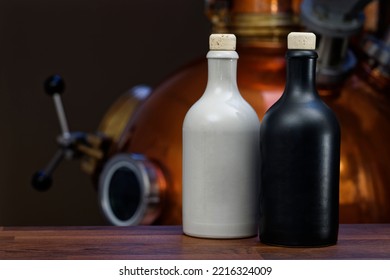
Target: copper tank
{"type": "Point", "coordinates": [149, 132]}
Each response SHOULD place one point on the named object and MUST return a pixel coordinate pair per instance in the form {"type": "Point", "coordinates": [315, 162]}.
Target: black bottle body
{"type": "Point", "coordinates": [300, 162]}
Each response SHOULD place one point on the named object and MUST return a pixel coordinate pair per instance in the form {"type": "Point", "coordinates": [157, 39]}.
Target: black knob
{"type": "Point", "coordinates": [54, 84]}
{"type": "Point", "coordinates": [41, 181]}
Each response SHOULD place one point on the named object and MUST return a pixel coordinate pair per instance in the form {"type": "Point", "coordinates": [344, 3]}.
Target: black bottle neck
{"type": "Point", "coordinates": [301, 73]}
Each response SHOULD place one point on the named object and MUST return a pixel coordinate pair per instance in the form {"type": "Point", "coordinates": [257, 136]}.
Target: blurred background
{"type": "Point", "coordinates": [101, 48]}
{"type": "Point", "coordinates": [104, 48]}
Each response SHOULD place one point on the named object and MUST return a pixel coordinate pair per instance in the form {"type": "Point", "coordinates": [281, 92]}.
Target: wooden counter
{"type": "Point", "coordinates": [362, 241]}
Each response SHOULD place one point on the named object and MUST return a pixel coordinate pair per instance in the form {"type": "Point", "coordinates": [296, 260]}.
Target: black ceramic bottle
{"type": "Point", "coordinates": [300, 158]}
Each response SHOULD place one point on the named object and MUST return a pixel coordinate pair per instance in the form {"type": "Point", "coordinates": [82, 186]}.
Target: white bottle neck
{"type": "Point", "coordinates": [222, 73]}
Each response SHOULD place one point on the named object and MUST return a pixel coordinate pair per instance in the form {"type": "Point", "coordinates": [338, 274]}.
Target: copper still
{"type": "Point", "coordinates": [137, 164]}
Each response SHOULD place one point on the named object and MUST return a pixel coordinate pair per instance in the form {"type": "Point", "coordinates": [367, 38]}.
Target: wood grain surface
{"type": "Point", "coordinates": [360, 241]}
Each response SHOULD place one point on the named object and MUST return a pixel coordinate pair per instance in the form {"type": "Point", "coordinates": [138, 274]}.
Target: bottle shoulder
{"type": "Point", "coordinates": [224, 113]}
{"type": "Point", "coordinates": [286, 115]}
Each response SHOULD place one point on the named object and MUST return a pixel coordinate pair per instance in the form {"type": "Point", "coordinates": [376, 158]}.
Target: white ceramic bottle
{"type": "Point", "coordinates": [220, 153]}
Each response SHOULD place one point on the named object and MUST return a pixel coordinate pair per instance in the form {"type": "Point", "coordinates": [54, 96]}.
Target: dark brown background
{"type": "Point", "coordinates": [101, 48]}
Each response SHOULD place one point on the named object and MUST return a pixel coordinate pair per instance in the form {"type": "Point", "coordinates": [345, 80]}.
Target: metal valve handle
{"type": "Point", "coordinates": [42, 179]}
{"type": "Point", "coordinates": [71, 144]}
{"type": "Point", "coordinates": [68, 142]}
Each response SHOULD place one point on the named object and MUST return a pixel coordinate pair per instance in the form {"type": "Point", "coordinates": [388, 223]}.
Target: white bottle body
{"type": "Point", "coordinates": [220, 157]}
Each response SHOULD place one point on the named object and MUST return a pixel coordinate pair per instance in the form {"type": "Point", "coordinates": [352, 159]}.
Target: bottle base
{"type": "Point", "coordinates": [298, 244]}
{"type": "Point", "coordinates": [220, 231]}
{"type": "Point", "coordinates": [308, 236]}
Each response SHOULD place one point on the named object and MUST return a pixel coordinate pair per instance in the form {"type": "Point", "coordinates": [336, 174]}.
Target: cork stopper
{"type": "Point", "coordinates": [222, 42]}
{"type": "Point", "coordinates": [301, 41]}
